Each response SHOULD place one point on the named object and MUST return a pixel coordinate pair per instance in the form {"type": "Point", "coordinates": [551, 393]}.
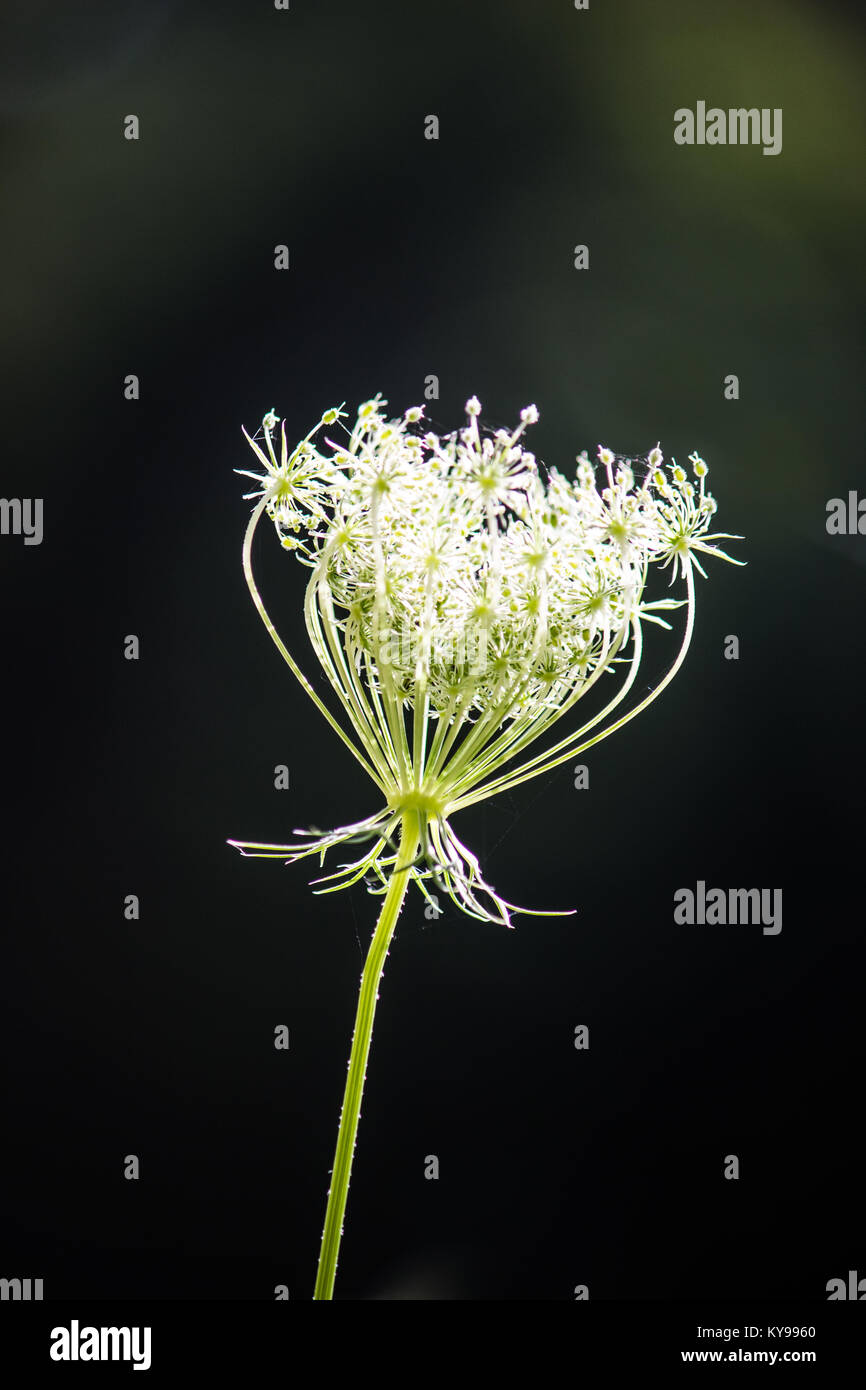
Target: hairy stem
{"type": "Point", "coordinates": [348, 1131]}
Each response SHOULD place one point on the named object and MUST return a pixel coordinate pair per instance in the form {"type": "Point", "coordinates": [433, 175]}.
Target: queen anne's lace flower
{"type": "Point", "coordinates": [461, 603]}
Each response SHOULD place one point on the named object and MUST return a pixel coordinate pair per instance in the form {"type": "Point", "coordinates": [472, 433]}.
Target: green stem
{"type": "Point", "coordinates": [361, 1039]}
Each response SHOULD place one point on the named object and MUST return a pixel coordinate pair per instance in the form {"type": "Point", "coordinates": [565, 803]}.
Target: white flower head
{"type": "Point", "coordinates": [461, 602]}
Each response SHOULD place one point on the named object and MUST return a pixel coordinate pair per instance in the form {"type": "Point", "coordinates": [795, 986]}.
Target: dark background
{"type": "Point", "coordinates": [410, 257]}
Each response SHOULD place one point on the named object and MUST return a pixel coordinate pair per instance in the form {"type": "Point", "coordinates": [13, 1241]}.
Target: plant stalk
{"type": "Point", "coordinates": [348, 1131]}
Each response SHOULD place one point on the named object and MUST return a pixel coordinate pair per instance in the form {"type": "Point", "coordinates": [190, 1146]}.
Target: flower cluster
{"type": "Point", "coordinates": [461, 601]}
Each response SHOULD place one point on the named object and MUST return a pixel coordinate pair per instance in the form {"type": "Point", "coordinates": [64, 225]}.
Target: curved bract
{"type": "Point", "coordinates": [461, 601]}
